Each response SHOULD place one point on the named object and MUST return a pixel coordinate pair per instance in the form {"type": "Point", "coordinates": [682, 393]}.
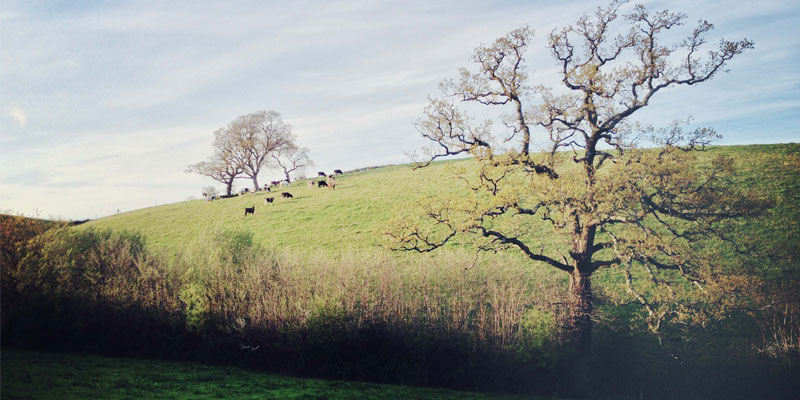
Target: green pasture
{"type": "Point", "coordinates": [32, 375]}
{"type": "Point", "coordinates": [354, 217]}
{"type": "Point", "coordinates": [351, 216]}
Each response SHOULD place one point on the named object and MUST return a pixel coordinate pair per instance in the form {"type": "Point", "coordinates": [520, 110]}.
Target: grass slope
{"type": "Point", "coordinates": [31, 375]}
{"type": "Point", "coordinates": [318, 218]}
{"type": "Point", "coordinates": [354, 216]}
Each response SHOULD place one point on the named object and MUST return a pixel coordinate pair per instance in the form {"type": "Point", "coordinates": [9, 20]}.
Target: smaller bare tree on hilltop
{"type": "Point", "coordinates": [248, 144]}
{"type": "Point", "coordinates": [291, 158]}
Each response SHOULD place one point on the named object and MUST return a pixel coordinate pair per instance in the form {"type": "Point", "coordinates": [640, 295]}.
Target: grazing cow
{"type": "Point", "coordinates": [212, 197]}
{"type": "Point", "coordinates": [274, 183]}
{"type": "Point", "coordinates": [205, 195]}
{"type": "Point", "coordinates": [320, 173]}
{"type": "Point", "coordinates": [322, 184]}
{"type": "Point", "coordinates": [331, 183]}
{"type": "Point", "coordinates": [310, 184]}
{"type": "Point", "coordinates": [337, 172]}
{"type": "Point", "coordinates": [268, 200]}
{"type": "Point", "coordinates": [286, 195]}
{"type": "Point", "coordinates": [250, 210]}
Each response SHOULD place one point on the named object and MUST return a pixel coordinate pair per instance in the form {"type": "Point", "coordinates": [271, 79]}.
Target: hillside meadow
{"type": "Point", "coordinates": [356, 215]}
{"type": "Point", "coordinates": [352, 217]}
{"type": "Point", "coordinates": [310, 286]}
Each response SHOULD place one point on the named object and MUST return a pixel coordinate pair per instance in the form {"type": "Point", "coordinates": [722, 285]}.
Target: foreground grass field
{"type": "Point", "coordinates": [31, 375]}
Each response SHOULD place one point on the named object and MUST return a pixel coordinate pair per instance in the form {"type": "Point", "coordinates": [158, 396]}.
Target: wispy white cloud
{"type": "Point", "coordinates": [19, 115]}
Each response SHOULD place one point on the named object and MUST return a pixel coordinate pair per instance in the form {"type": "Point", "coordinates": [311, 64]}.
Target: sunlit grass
{"type": "Point", "coordinates": [353, 215]}
{"type": "Point", "coordinates": [356, 214]}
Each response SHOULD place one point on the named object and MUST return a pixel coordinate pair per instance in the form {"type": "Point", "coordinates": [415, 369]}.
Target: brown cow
{"type": "Point", "coordinates": [331, 183]}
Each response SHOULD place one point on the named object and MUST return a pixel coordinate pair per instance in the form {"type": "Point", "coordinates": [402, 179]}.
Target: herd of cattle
{"type": "Point", "coordinates": [329, 182]}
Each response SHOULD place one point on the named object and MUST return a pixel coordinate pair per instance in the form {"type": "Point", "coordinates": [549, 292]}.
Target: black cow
{"type": "Point", "coordinates": [269, 200]}
{"type": "Point", "coordinates": [322, 184]}
{"type": "Point", "coordinates": [337, 172]}
{"type": "Point", "coordinates": [274, 183]}
{"type": "Point", "coordinates": [250, 210]}
{"type": "Point", "coordinates": [320, 173]}
{"type": "Point", "coordinates": [286, 195]}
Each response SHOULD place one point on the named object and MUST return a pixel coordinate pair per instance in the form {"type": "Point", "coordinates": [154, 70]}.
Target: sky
{"type": "Point", "coordinates": [103, 104]}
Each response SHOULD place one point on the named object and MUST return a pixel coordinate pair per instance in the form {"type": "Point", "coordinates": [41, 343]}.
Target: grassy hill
{"type": "Point", "coordinates": [354, 216]}
{"type": "Point", "coordinates": [306, 286]}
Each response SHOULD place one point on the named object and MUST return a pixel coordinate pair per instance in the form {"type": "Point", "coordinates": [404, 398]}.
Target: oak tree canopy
{"type": "Point", "coordinates": [248, 145]}
{"type": "Point", "coordinates": [565, 180]}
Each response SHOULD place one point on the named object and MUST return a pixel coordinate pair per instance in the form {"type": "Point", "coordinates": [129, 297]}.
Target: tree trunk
{"type": "Point", "coordinates": [579, 333]}
{"type": "Point", "coordinates": [287, 176]}
{"type": "Point", "coordinates": [229, 187]}
{"type": "Point", "coordinates": [255, 183]}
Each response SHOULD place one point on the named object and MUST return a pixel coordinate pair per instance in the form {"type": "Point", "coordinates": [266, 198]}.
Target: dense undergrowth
{"type": "Point", "coordinates": [226, 297]}
{"type": "Point", "coordinates": [359, 317]}
{"type": "Point", "coordinates": [226, 300]}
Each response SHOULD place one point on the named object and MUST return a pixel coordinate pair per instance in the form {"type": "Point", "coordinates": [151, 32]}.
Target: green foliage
{"type": "Point", "coordinates": [537, 332]}
{"type": "Point", "coordinates": [193, 295]}
{"type": "Point", "coordinates": [79, 262]}
{"type": "Point", "coordinates": [15, 232]}
{"type": "Point", "coordinates": [351, 315]}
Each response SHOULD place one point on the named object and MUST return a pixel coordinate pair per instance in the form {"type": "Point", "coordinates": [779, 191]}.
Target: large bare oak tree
{"type": "Point", "coordinates": [608, 204]}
